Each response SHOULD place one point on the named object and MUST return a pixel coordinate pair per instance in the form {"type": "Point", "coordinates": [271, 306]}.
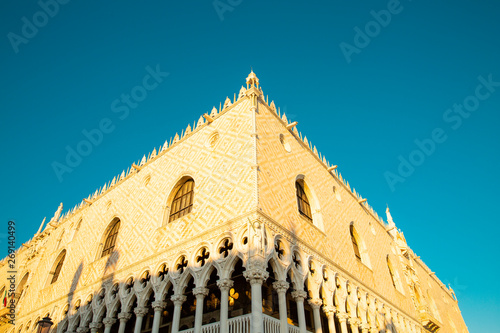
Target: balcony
{"type": "Point", "coordinates": [427, 320]}
{"type": "Point", "coordinates": [241, 324]}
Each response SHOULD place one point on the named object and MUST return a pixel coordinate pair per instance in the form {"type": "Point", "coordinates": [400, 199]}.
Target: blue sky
{"type": "Point", "coordinates": [364, 79]}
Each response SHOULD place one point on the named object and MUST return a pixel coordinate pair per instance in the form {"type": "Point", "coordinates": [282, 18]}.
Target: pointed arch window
{"type": "Point", "coordinates": [110, 241]}
{"type": "Point", "coordinates": [303, 201]}
{"type": "Point", "coordinates": [355, 245]}
{"type": "Point", "coordinates": [57, 270]}
{"type": "Point", "coordinates": [391, 272]}
{"type": "Point", "coordinates": [182, 203]}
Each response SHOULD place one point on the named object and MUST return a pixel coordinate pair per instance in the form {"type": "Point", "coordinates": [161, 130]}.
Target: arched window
{"type": "Point", "coordinates": [302, 201]}
{"type": "Point", "coordinates": [109, 244]}
{"type": "Point", "coordinates": [391, 272]}
{"type": "Point", "coordinates": [60, 261]}
{"type": "Point", "coordinates": [183, 200]}
{"type": "Point", "coordinates": [355, 245]}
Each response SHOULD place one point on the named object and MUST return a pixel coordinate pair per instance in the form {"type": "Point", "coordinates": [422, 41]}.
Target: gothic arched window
{"type": "Point", "coordinates": [302, 201]}
{"type": "Point", "coordinates": [183, 200]}
{"type": "Point", "coordinates": [60, 261]}
{"type": "Point", "coordinates": [355, 245]}
{"type": "Point", "coordinates": [109, 243]}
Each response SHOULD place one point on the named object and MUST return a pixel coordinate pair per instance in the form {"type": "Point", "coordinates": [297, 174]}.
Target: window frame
{"type": "Point", "coordinates": [182, 203]}
{"type": "Point", "coordinates": [109, 243]}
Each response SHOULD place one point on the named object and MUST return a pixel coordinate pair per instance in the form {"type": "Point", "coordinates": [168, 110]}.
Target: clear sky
{"type": "Point", "coordinates": [403, 96]}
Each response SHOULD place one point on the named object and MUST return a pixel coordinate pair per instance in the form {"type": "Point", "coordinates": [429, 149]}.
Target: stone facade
{"type": "Point", "coordinates": [243, 259]}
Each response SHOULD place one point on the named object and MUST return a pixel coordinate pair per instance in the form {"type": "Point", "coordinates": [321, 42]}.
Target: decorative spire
{"type": "Point", "coordinates": [389, 218]}
{"type": "Point", "coordinates": [252, 80]}
{"type": "Point", "coordinates": [41, 226]}
{"type": "Point", "coordinates": [57, 214]}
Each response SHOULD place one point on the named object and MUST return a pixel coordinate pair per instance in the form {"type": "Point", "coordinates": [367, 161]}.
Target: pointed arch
{"type": "Point", "coordinates": [57, 267]}
{"type": "Point", "coordinates": [181, 199]}
{"type": "Point", "coordinates": [108, 244]}
{"type": "Point", "coordinates": [358, 245]}
{"type": "Point", "coordinates": [308, 203]}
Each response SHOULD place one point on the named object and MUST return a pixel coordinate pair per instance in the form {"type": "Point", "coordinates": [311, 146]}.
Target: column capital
{"type": "Point", "coordinates": [315, 303]}
{"type": "Point", "coordinates": [124, 316]}
{"type": "Point", "coordinates": [299, 295]}
{"type": "Point", "coordinates": [256, 275]}
{"type": "Point", "coordinates": [178, 299]}
{"type": "Point", "coordinates": [225, 284]}
{"type": "Point", "coordinates": [159, 305]}
{"type": "Point", "coordinates": [342, 316]}
{"type": "Point", "coordinates": [108, 321]}
{"type": "Point", "coordinates": [92, 326]}
{"type": "Point", "coordinates": [365, 327]}
{"type": "Point", "coordinates": [281, 286]}
{"type": "Point", "coordinates": [200, 291]}
{"type": "Point", "coordinates": [354, 321]}
{"type": "Point", "coordinates": [82, 330]}
{"type": "Point", "coordinates": [141, 311]}
{"type": "Point", "coordinates": [329, 310]}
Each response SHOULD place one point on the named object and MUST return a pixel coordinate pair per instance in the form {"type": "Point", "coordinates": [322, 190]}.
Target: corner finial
{"type": "Point", "coordinates": [252, 80]}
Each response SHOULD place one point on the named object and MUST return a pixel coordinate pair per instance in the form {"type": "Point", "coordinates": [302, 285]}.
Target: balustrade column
{"type": "Point", "coordinates": [315, 305]}
{"type": "Point", "coordinates": [200, 293]}
{"type": "Point", "coordinates": [177, 300]}
{"type": "Point", "coordinates": [256, 276]}
{"type": "Point", "coordinates": [330, 314]}
{"type": "Point", "coordinates": [299, 296]}
{"type": "Point", "coordinates": [140, 312]}
{"type": "Point", "coordinates": [158, 306]}
{"type": "Point", "coordinates": [123, 317]}
{"type": "Point", "coordinates": [281, 287]}
{"type": "Point", "coordinates": [224, 285]}
{"type": "Point", "coordinates": [94, 327]}
{"type": "Point", "coordinates": [343, 321]}
{"type": "Point", "coordinates": [108, 322]}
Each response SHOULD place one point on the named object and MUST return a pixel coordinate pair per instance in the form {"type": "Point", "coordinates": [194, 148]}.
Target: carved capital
{"type": "Point", "coordinates": [342, 316]}
{"type": "Point", "coordinates": [159, 305]}
{"type": "Point", "coordinates": [141, 311]}
{"type": "Point", "coordinates": [354, 321]}
{"type": "Point", "coordinates": [256, 275]}
{"type": "Point", "coordinates": [124, 316]}
{"type": "Point", "coordinates": [225, 284]}
{"type": "Point", "coordinates": [200, 291]}
{"type": "Point", "coordinates": [281, 286]}
{"type": "Point", "coordinates": [93, 326]}
{"type": "Point", "coordinates": [329, 310]}
{"type": "Point", "coordinates": [82, 330]}
{"type": "Point", "coordinates": [178, 299]}
{"type": "Point", "coordinates": [108, 321]}
{"type": "Point", "coordinates": [315, 303]}
{"type": "Point", "coordinates": [299, 295]}
{"type": "Point", "coordinates": [365, 327]}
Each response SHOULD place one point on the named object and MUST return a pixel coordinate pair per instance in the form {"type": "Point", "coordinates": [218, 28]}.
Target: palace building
{"type": "Point", "coordinates": [238, 225]}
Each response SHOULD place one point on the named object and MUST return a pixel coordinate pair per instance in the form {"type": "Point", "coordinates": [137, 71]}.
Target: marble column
{"type": "Point", "coordinates": [281, 287]}
{"type": "Point", "coordinates": [158, 306]}
{"type": "Point", "coordinates": [316, 304]}
{"type": "Point", "coordinates": [354, 322]}
{"type": "Point", "coordinates": [178, 300]}
{"type": "Point", "coordinates": [330, 314]}
{"type": "Point", "coordinates": [343, 321]}
{"type": "Point", "coordinates": [123, 317]}
{"type": "Point", "coordinates": [256, 276]}
{"type": "Point", "coordinates": [299, 296]}
{"type": "Point", "coordinates": [365, 328]}
{"type": "Point", "coordinates": [140, 312]}
{"type": "Point", "coordinates": [200, 293]}
{"type": "Point", "coordinates": [224, 285]}
{"type": "Point", "coordinates": [108, 322]}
